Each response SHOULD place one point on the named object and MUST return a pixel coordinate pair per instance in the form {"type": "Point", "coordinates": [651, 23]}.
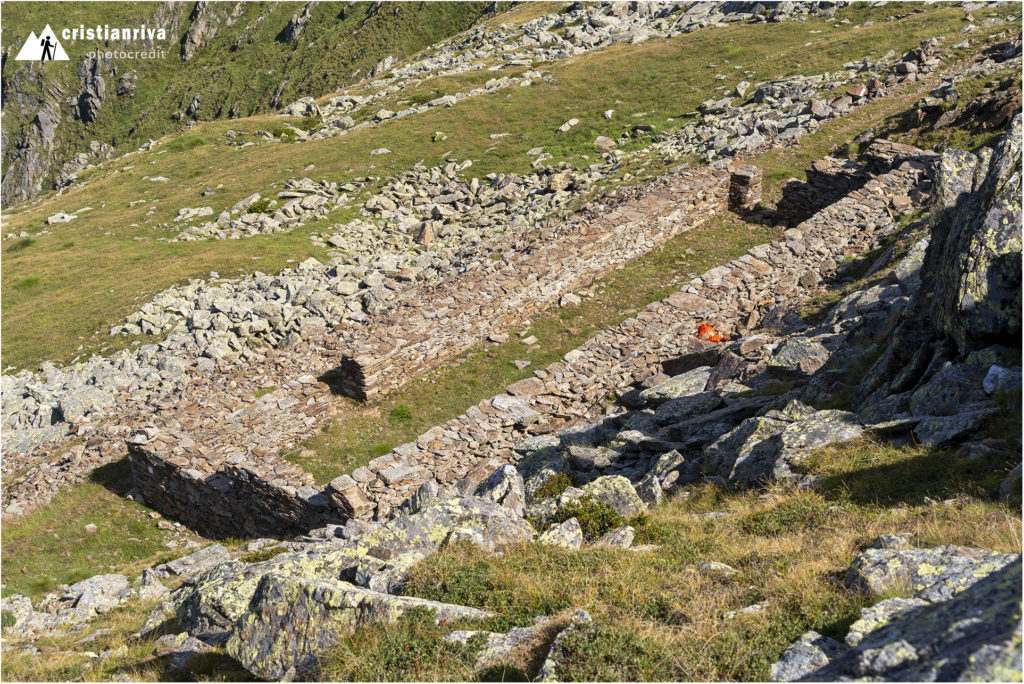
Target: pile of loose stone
{"type": "Point", "coordinates": [549, 38]}
{"type": "Point", "coordinates": [304, 200]}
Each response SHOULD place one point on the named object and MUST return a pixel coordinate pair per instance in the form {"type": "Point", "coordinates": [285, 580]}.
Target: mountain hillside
{"type": "Point", "coordinates": [590, 341]}
{"type": "Point", "coordinates": [224, 61]}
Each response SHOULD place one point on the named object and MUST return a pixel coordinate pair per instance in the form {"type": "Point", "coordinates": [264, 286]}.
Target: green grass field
{"type": "Point", "coordinates": [88, 274]}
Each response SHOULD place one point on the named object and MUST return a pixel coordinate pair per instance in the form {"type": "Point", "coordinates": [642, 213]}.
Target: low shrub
{"type": "Point", "coordinates": [20, 244]}
{"type": "Point", "coordinates": [595, 517]}
{"type": "Point", "coordinates": [260, 205]}
{"type": "Point", "coordinates": [555, 485]}
{"type": "Point", "coordinates": [262, 554]}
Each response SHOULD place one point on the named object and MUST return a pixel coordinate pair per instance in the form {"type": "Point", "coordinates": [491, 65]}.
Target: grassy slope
{"type": "Point", "coordinates": [337, 44]}
{"type": "Point", "coordinates": [657, 617]}
{"type": "Point", "coordinates": [81, 278]}
{"type": "Point", "coordinates": [50, 546]}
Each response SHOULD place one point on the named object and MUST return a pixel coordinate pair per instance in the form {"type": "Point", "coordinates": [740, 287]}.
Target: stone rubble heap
{"type": "Point", "coordinates": [304, 200]}
{"type": "Point", "coordinates": [549, 38]}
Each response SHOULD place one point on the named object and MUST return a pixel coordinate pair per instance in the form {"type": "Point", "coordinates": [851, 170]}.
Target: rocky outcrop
{"type": "Point", "coordinates": [90, 100]}
{"type": "Point", "coordinates": [297, 23]}
{"type": "Point", "coordinates": [962, 622]}
{"type": "Point", "coordinates": [203, 26]}
{"type": "Point", "coordinates": [291, 621]}
{"type": "Point", "coordinates": [32, 157]}
{"type": "Point", "coordinates": [973, 260]}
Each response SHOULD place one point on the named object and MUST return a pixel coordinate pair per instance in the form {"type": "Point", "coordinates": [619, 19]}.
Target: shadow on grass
{"type": "Point", "coordinates": [931, 474]}
{"type": "Point", "coordinates": [115, 477]}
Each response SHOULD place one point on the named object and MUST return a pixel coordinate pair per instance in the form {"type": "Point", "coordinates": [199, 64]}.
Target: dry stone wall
{"type": "Point", "coordinates": [431, 325]}
{"type": "Point", "coordinates": [212, 460]}
{"type": "Point", "coordinates": [732, 297]}
{"type": "Point", "coordinates": [222, 472]}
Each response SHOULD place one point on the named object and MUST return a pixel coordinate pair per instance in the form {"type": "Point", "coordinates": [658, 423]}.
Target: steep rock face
{"type": "Point", "coordinates": [973, 261]}
{"type": "Point", "coordinates": [967, 311]}
{"type": "Point", "coordinates": [297, 23]}
{"type": "Point", "coordinates": [203, 26]}
{"type": "Point", "coordinates": [31, 160]}
{"type": "Point", "coordinates": [90, 100]}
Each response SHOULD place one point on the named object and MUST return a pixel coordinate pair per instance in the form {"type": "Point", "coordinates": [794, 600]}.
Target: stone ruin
{"type": "Point", "coordinates": [216, 463]}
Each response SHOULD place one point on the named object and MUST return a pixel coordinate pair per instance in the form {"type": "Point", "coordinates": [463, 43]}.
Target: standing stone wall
{"type": "Point", "coordinates": [219, 468]}
{"type": "Point", "coordinates": [214, 462]}
{"type": "Point", "coordinates": [573, 390]}
{"type": "Point", "coordinates": [432, 325]}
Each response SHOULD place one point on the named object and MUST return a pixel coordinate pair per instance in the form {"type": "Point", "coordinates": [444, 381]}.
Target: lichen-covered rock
{"type": "Point", "coordinates": [566, 535]}
{"type": "Point", "coordinates": [512, 647]}
{"type": "Point", "coordinates": [941, 430]}
{"type": "Point", "coordinates": [809, 653]}
{"type": "Point", "coordinates": [798, 356]}
{"type": "Point", "coordinates": [386, 555]}
{"type": "Point", "coordinates": [873, 617]}
{"type": "Point", "coordinates": [932, 574]}
{"type": "Point", "coordinates": [291, 620]}
{"type": "Point", "coordinates": [683, 385]}
{"type": "Point", "coordinates": [380, 559]}
{"type": "Point", "coordinates": [504, 486]}
{"type": "Point", "coordinates": [194, 563]}
{"type": "Point", "coordinates": [716, 568]}
{"type": "Point", "coordinates": [973, 636]}
{"type": "Point", "coordinates": [211, 601]}
{"type": "Point", "coordinates": [746, 454]}
{"type": "Point", "coordinates": [681, 408]}
{"type": "Point", "coordinates": [539, 460]}
{"type": "Point", "coordinates": [972, 266]}
{"type": "Point", "coordinates": [948, 391]}
{"type": "Point", "coordinates": [617, 492]}
{"type": "Point", "coordinates": [619, 538]}
{"type": "Point", "coordinates": [662, 475]}
{"type": "Point", "coordinates": [820, 429]}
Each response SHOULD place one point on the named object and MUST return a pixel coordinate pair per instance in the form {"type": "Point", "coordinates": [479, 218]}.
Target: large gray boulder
{"type": "Point", "coordinates": [213, 600]}
{"type": "Point", "coordinates": [972, 267]}
{"type": "Point", "coordinates": [973, 636]}
{"type": "Point", "coordinates": [290, 621]}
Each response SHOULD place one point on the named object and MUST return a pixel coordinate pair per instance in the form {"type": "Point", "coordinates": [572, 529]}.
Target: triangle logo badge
{"type": "Point", "coordinates": [44, 48]}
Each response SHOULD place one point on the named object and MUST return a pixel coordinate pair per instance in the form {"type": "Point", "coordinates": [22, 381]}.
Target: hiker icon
{"type": "Point", "coordinates": [48, 46]}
